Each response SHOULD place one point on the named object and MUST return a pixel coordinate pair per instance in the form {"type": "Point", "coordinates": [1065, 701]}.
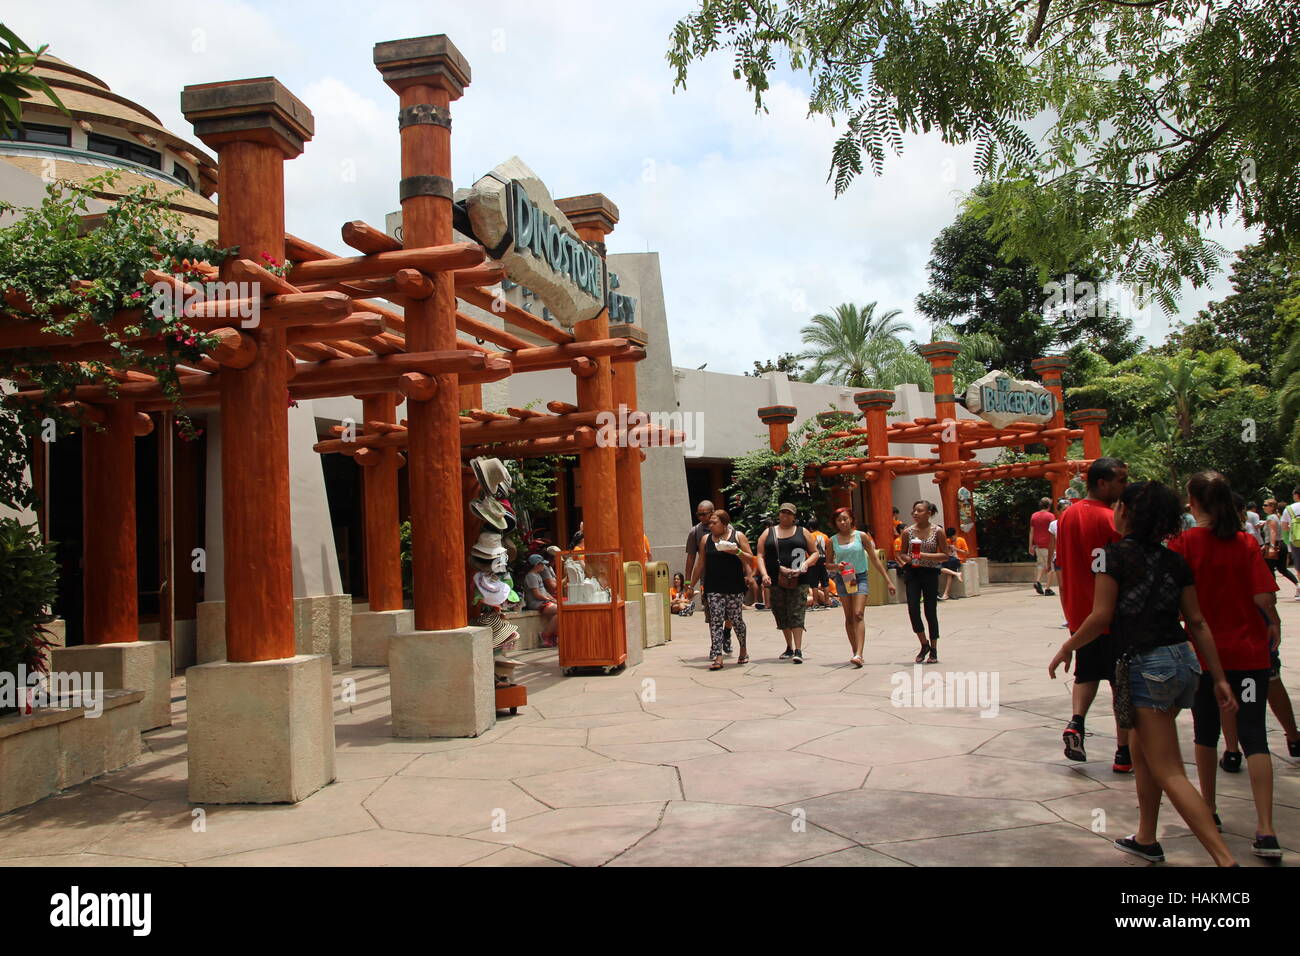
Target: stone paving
{"type": "Point", "coordinates": [769, 764]}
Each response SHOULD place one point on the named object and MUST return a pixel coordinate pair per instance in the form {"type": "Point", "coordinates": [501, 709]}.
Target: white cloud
{"type": "Point", "coordinates": [751, 238]}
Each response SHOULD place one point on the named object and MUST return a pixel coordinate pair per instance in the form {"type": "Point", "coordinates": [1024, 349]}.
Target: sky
{"type": "Point", "coordinates": [752, 240]}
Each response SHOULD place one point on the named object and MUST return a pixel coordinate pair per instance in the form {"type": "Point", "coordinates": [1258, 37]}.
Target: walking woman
{"type": "Point", "coordinates": [723, 554]}
{"type": "Point", "coordinates": [924, 550]}
{"type": "Point", "coordinates": [1275, 550]}
{"type": "Point", "coordinates": [850, 550]}
{"type": "Point", "coordinates": [1137, 598]}
{"type": "Point", "coordinates": [790, 551]}
{"type": "Point", "coordinates": [1238, 598]}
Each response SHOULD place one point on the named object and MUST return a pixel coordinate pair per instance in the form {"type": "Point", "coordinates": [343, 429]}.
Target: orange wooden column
{"type": "Point", "coordinates": [254, 125]}
{"type": "Point", "coordinates": [428, 73]}
{"type": "Point", "coordinates": [627, 466]}
{"type": "Point", "coordinates": [778, 419]}
{"type": "Point", "coordinates": [940, 355]}
{"type": "Point", "coordinates": [599, 492]}
{"type": "Point", "coordinates": [1090, 419]}
{"type": "Point", "coordinates": [108, 504]}
{"type": "Point", "coordinates": [379, 500]}
{"type": "Point", "coordinates": [875, 405]}
{"type": "Point", "coordinates": [1050, 369]}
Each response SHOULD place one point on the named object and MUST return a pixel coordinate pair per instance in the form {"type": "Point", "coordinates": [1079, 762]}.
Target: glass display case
{"type": "Point", "coordinates": [593, 632]}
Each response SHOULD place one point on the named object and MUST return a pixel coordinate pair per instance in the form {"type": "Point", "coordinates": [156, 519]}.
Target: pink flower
{"type": "Point", "coordinates": [190, 340]}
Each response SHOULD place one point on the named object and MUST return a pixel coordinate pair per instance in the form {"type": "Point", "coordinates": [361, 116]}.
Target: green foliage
{"type": "Point", "coordinates": [1003, 508]}
{"type": "Point", "coordinates": [18, 82]}
{"type": "Point", "coordinates": [70, 276]}
{"type": "Point", "coordinates": [763, 479]}
{"type": "Point", "coordinates": [29, 583]}
{"type": "Point", "coordinates": [1163, 116]}
{"type": "Point", "coordinates": [975, 289]}
{"type": "Point", "coordinates": [857, 347]}
{"type": "Point", "coordinates": [1250, 319]}
{"type": "Point", "coordinates": [787, 362]}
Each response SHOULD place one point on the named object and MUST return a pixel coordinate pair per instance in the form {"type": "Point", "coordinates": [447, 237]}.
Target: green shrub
{"type": "Point", "coordinates": [28, 584]}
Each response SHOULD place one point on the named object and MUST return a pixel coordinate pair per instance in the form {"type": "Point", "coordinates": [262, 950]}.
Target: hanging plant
{"type": "Point", "coordinates": [56, 273]}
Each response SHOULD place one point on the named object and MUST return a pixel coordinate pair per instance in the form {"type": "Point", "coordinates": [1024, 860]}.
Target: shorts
{"type": "Point", "coordinates": [789, 606]}
{"type": "Point", "coordinates": [1095, 661]}
{"type": "Point", "coordinates": [1040, 554]}
{"type": "Point", "coordinates": [951, 563]}
{"type": "Point", "coordinates": [817, 576]}
{"type": "Point", "coordinates": [544, 606]}
{"type": "Point", "coordinates": [1165, 677]}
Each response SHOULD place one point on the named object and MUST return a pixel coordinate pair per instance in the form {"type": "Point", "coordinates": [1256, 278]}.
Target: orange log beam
{"type": "Point", "coordinates": [488, 301]}
{"type": "Point", "coordinates": [367, 239]}
{"type": "Point", "coordinates": [431, 259]}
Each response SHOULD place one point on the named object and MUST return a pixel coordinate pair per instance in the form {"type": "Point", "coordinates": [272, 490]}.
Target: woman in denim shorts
{"type": "Point", "coordinates": [1140, 592]}
{"type": "Point", "coordinates": [850, 551]}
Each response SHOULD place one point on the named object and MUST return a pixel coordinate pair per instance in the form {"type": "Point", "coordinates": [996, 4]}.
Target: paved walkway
{"type": "Point", "coordinates": [769, 764]}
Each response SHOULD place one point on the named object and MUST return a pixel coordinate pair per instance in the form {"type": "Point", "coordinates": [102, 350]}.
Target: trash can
{"type": "Point", "coordinates": [634, 590]}
{"type": "Point", "coordinates": [660, 583]}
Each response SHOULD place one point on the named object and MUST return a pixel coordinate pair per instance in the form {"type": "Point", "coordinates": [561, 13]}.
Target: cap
{"type": "Point", "coordinates": [786, 506]}
{"type": "Point", "coordinates": [536, 559]}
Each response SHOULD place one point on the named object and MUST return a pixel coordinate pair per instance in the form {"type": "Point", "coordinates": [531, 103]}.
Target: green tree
{"type": "Point", "coordinates": [855, 346]}
{"type": "Point", "coordinates": [18, 82]}
{"type": "Point", "coordinates": [975, 289]}
{"type": "Point", "coordinates": [787, 362]}
{"type": "Point", "coordinates": [1247, 320]}
{"type": "Point", "coordinates": [1162, 116]}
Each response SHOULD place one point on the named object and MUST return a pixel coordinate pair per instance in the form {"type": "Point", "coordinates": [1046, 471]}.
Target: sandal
{"type": "Point", "coordinates": [925, 649]}
{"type": "Point", "coordinates": [934, 653]}
{"type": "Point", "coordinates": [716, 665]}
{"type": "Point", "coordinates": [856, 661]}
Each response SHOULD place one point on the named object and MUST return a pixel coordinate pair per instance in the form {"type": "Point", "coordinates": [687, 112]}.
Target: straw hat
{"type": "Point", "coordinates": [492, 589]}
{"type": "Point", "coordinates": [492, 512]}
{"type": "Point", "coordinates": [492, 475]}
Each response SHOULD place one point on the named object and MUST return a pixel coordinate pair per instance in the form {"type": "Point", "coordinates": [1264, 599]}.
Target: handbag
{"type": "Point", "coordinates": [788, 577]}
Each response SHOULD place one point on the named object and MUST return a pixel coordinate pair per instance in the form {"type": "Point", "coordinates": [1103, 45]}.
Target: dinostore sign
{"type": "Point", "coordinates": [1000, 400]}
{"type": "Point", "coordinates": [513, 215]}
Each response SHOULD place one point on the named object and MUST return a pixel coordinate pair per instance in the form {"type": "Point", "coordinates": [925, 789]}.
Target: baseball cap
{"type": "Point", "coordinates": [535, 559]}
{"type": "Point", "coordinates": [786, 506]}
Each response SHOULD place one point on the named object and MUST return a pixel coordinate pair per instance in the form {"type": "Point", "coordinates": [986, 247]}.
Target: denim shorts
{"type": "Point", "coordinates": [862, 578]}
{"type": "Point", "coordinates": [1165, 677]}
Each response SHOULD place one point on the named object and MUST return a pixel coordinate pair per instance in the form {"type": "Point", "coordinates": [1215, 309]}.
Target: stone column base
{"type": "Point", "coordinates": [260, 732]}
{"type": "Point", "coordinates": [971, 578]}
{"type": "Point", "coordinates": [441, 683]}
{"type": "Point", "coordinates": [133, 665]}
{"type": "Point", "coordinates": [900, 591]}
{"type": "Point", "coordinates": [655, 616]}
{"type": "Point", "coordinates": [321, 625]}
{"type": "Point", "coordinates": [635, 644]}
{"type": "Point", "coordinates": [372, 631]}
{"type": "Point", "coordinates": [984, 571]}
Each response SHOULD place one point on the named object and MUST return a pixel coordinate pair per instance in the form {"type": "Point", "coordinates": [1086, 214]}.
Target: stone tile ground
{"type": "Point", "coordinates": [769, 764]}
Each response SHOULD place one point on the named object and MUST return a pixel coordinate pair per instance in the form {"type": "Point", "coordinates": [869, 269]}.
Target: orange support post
{"type": "Point", "coordinates": [631, 507]}
{"type": "Point", "coordinates": [1049, 369]}
{"type": "Point", "coordinates": [778, 419]}
{"type": "Point", "coordinates": [940, 355]}
{"type": "Point", "coordinates": [428, 73]}
{"type": "Point", "coordinates": [875, 405]}
{"type": "Point", "coordinates": [254, 125]}
{"type": "Point", "coordinates": [1090, 419]}
{"type": "Point", "coordinates": [379, 494]}
{"type": "Point", "coordinates": [599, 492]}
{"type": "Point", "coordinates": [108, 503]}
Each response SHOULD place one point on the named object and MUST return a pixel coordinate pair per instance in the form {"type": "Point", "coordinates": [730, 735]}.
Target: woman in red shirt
{"type": "Point", "coordinates": [1236, 592]}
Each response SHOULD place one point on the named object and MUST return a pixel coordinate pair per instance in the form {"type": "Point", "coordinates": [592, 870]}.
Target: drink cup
{"type": "Point", "coordinates": [850, 578]}
{"type": "Point", "coordinates": [916, 552]}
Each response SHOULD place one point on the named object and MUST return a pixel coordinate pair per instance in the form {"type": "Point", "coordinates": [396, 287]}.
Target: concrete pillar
{"type": "Point", "coordinates": [778, 419]}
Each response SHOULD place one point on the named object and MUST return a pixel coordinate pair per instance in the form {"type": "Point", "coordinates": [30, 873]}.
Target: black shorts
{"type": "Point", "coordinates": [817, 576]}
{"type": "Point", "coordinates": [1095, 661]}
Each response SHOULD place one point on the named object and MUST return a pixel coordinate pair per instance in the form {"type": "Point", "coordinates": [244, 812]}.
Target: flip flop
{"type": "Point", "coordinates": [716, 666]}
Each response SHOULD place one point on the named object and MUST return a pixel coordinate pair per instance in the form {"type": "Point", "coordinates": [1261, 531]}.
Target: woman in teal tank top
{"type": "Point", "coordinates": [850, 552]}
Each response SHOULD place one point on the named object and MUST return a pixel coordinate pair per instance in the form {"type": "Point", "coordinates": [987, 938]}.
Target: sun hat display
{"type": "Point", "coordinates": [492, 475]}
{"type": "Point", "coordinates": [488, 545]}
{"type": "Point", "coordinates": [491, 511]}
{"type": "Point", "coordinates": [502, 630]}
{"type": "Point", "coordinates": [493, 591]}
{"type": "Point", "coordinates": [501, 563]}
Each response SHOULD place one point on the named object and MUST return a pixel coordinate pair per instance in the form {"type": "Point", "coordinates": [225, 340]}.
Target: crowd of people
{"type": "Point", "coordinates": [1172, 604]}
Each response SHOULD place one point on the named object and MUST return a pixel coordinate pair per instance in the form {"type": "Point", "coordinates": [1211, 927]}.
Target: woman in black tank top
{"type": "Point", "coordinates": [787, 545]}
{"type": "Point", "coordinates": [724, 555]}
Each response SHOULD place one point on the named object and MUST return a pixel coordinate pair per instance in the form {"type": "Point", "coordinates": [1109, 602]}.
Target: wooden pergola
{"type": "Point", "coordinates": [322, 333]}
{"type": "Point", "coordinates": [953, 441]}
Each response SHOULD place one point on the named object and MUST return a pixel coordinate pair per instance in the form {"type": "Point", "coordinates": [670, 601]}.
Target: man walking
{"type": "Point", "coordinates": [1040, 544]}
{"type": "Point", "coordinates": [698, 533]}
{"type": "Point", "coordinates": [1082, 535]}
{"type": "Point", "coordinates": [1291, 532]}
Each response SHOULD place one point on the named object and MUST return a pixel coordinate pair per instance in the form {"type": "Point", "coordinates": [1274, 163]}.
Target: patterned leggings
{"type": "Point", "coordinates": [724, 608]}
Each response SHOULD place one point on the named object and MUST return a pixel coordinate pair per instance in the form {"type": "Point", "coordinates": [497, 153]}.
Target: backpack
{"type": "Point", "coordinates": [1293, 533]}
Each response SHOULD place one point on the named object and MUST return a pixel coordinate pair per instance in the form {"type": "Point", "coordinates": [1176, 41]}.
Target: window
{"type": "Point", "coordinates": [183, 174]}
{"type": "Point", "coordinates": [38, 133]}
{"type": "Point", "coordinates": [124, 150]}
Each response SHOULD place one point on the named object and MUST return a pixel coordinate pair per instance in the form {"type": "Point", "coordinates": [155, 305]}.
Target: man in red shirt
{"type": "Point", "coordinates": [1040, 543]}
{"type": "Point", "coordinates": [1082, 534]}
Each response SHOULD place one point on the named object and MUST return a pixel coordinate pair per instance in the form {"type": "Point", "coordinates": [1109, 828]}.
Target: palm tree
{"type": "Point", "coordinates": [857, 348]}
{"type": "Point", "coordinates": [1186, 387]}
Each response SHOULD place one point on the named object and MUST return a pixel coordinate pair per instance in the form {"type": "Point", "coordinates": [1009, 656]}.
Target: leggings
{"type": "Point", "coordinates": [923, 582]}
{"type": "Point", "coordinates": [1278, 565]}
{"type": "Point", "coordinates": [725, 608]}
{"type": "Point", "coordinates": [1250, 713]}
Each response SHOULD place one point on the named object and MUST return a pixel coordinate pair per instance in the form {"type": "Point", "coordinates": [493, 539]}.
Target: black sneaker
{"type": "Point", "coordinates": [1150, 852]}
{"type": "Point", "coordinates": [798, 656]}
{"type": "Point", "coordinates": [788, 652]}
{"type": "Point", "coordinates": [1218, 824]}
{"type": "Point", "coordinates": [1073, 738]}
{"type": "Point", "coordinates": [1266, 847]}
{"type": "Point", "coordinates": [1038, 587]}
{"type": "Point", "coordinates": [1231, 761]}
{"type": "Point", "coordinates": [1123, 761]}
{"type": "Point", "coordinates": [1049, 593]}
{"type": "Point", "coordinates": [1293, 747]}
